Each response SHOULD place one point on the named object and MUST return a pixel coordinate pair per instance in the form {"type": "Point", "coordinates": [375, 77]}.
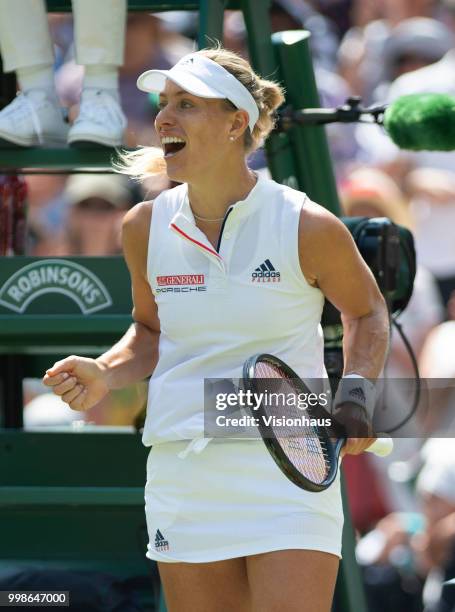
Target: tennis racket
{"type": "Point", "coordinates": [308, 455]}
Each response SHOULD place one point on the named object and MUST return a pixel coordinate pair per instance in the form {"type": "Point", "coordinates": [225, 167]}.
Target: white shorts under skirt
{"type": "Point", "coordinates": [231, 500]}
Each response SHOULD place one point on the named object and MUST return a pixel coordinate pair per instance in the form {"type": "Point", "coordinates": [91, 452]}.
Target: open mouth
{"type": "Point", "coordinates": [172, 145]}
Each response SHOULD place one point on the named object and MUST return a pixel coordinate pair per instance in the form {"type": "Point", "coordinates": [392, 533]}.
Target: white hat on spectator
{"type": "Point", "coordinates": [419, 36]}
{"type": "Point", "coordinates": [112, 188]}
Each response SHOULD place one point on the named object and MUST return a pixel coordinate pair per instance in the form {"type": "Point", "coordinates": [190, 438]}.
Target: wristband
{"type": "Point", "coordinates": [356, 389]}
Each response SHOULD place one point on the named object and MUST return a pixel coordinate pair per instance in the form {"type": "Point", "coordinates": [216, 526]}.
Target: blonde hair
{"type": "Point", "coordinates": [268, 95]}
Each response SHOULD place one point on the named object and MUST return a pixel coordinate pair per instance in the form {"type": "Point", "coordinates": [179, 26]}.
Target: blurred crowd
{"type": "Point", "coordinates": [378, 51]}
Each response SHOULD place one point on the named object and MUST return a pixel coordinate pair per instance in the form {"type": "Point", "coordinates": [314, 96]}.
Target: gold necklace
{"type": "Point", "coordinates": [208, 220]}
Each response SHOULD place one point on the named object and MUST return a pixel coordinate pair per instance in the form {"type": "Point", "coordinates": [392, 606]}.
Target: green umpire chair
{"type": "Point", "coordinates": [73, 498]}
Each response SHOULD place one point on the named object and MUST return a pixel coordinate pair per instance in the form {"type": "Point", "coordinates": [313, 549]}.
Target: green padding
{"type": "Point", "coordinates": [87, 160]}
{"type": "Point", "coordinates": [84, 286]}
{"type": "Point", "coordinates": [349, 594]}
{"type": "Point", "coordinates": [63, 305]}
{"type": "Point", "coordinates": [48, 333]}
{"type": "Point", "coordinates": [53, 532]}
{"type": "Point", "coordinates": [65, 496]}
{"type": "Point", "coordinates": [314, 172]}
{"type": "Point", "coordinates": [74, 501]}
{"type": "Point", "coordinates": [48, 459]}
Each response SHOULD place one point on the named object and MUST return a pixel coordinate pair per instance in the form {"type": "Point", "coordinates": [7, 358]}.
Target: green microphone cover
{"type": "Point", "coordinates": [422, 122]}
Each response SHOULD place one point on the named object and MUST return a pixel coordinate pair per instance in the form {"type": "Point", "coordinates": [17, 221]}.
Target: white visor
{"type": "Point", "coordinates": [203, 77]}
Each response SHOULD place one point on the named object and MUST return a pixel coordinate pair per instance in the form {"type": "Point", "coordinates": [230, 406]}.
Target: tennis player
{"type": "Point", "coordinates": [223, 266]}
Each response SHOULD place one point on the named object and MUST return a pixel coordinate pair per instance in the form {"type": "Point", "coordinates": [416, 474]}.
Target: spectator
{"type": "Point", "coordinates": [435, 549]}
{"type": "Point", "coordinates": [47, 212]}
{"type": "Point", "coordinates": [34, 117]}
{"type": "Point", "coordinates": [437, 361]}
{"type": "Point", "coordinates": [406, 550]}
{"type": "Point", "coordinates": [97, 205]}
{"type": "Point", "coordinates": [300, 14]}
{"type": "Point", "coordinates": [149, 42]}
{"type": "Point", "coordinates": [387, 560]}
{"type": "Point", "coordinates": [413, 44]}
{"type": "Point", "coordinates": [399, 10]}
{"type": "Point", "coordinates": [370, 58]}
{"type": "Point", "coordinates": [370, 192]}
{"type": "Point", "coordinates": [432, 193]}
{"type": "Point", "coordinates": [436, 77]}
{"type": "Point", "coordinates": [332, 88]}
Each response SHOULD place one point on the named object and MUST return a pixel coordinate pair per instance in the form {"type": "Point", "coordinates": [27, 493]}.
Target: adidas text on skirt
{"type": "Point", "coordinates": [231, 500]}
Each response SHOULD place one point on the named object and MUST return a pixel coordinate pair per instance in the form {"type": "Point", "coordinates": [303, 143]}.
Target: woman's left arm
{"type": "Point", "coordinates": [331, 262]}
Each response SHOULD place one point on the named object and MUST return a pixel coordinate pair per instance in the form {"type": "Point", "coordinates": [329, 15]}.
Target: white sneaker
{"type": "Point", "coordinates": [33, 118]}
{"type": "Point", "coordinates": [101, 120]}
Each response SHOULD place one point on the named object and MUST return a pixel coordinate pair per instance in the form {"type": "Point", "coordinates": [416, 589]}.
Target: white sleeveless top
{"type": "Point", "coordinates": [217, 308]}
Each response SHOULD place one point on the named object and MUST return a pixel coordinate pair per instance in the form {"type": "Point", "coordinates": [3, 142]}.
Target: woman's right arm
{"type": "Point", "coordinates": [83, 382]}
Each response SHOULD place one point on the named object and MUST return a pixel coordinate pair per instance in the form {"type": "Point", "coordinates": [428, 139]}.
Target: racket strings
{"type": "Point", "coordinates": [302, 444]}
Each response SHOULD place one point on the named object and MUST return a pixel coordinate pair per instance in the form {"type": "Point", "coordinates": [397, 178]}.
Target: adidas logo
{"type": "Point", "coordinates": [357, 393]}
{"type": "Point", "coordinates": [265, 273]}
{"type": "Point", "coordinates": [160, 543]}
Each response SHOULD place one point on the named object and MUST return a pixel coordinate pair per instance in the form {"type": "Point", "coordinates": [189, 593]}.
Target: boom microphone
{"type": "Point", "coordinates": [422, 122]}
{"type": "Point", "coordinates": [418, 122]}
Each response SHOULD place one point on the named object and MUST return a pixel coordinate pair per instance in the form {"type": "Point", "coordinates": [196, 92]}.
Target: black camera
{"type": "Point", "coordinates": [388, 250]}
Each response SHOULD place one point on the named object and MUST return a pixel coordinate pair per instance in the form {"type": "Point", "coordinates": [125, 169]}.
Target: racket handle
{"type": "Point", "coordinates": [382, 446]}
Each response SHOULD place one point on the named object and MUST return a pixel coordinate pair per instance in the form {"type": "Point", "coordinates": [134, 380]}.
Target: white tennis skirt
{"type": "Point", "coordinates": [231, 500]}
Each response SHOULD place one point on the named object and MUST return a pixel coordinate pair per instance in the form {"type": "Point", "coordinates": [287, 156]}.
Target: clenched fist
{"type": "Point", "coordinates": [79, 381]}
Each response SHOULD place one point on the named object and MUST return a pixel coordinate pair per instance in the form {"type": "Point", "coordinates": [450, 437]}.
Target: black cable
{"type": "Point", "coordinates": [416, 375]}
